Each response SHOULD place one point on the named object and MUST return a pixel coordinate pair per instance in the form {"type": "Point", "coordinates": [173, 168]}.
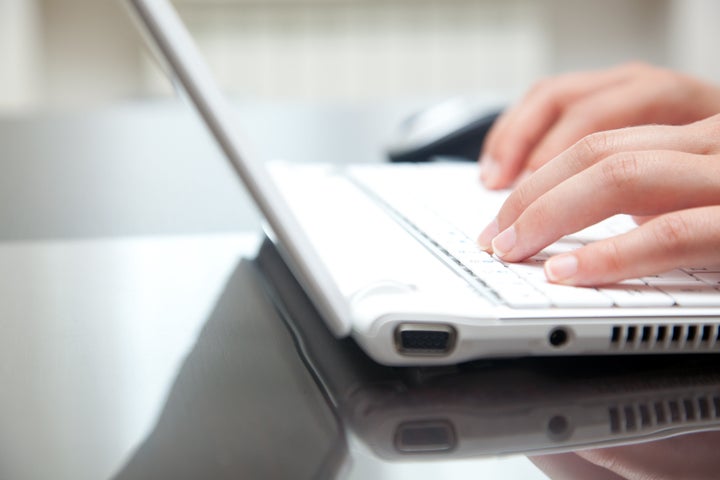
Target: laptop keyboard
{"type": "Point", "coordinates": [430, 210]}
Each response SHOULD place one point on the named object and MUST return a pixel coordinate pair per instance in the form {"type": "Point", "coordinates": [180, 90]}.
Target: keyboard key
{"type": "Point", "coordinates": [709, 278]}
{"type": "Point", "coordinates": [702, 269]}
{"type": "Point", "coordinates": [673, 277]}
{"type": "Point", "coordinates": [532, 272]}
{"type": "Point", "coordinates": [469, 253]}
{"type": "Point", "coordinates": [701, 295]}
{"type": "Point", "coordinates": [524, 296]}
{"type": "Point", "coordinates": [637, 295]}
{"type": "Point", "coordinates": [566, 296]}
{"type": "Point", "coordinates": [498, 276]}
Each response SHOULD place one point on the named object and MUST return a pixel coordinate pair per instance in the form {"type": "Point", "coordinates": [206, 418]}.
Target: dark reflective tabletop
{"type": "Point", "coordinates": [267, 392]}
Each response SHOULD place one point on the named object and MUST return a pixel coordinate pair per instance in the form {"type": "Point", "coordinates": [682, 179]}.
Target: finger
{"type": "Point", "coordinates": [621, 106]}
{"type": "Point", "coordinates": [585, 153]}
{"type": "Point", "coordinates": [570, 466]}
{"type": "Point", "coordinates": [517, 132]}
{"type": "Point", "coordinates": [669, 99]}
{"type": "Point", "coordinates": [685, 456]}
{"type": "Point", "coordinates": [623, 183]}
{"type": "Point", "coordinates": [640, 219]}
{"type": "Point", "coordinates": [687, 238]}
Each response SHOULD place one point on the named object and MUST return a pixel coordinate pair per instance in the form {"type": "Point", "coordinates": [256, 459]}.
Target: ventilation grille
{"type": "Point", "coordinates": [651, 415]}
{"type": "Point", "coordinates": [665, 337]}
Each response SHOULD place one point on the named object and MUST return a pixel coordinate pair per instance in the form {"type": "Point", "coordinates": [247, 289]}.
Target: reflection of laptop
{"type": "Point", "coordinates": [387, 262]}
{"type": "Point", "coordinates": [444, 418]}
{"type": "Point", "coordinates": [497, 407]}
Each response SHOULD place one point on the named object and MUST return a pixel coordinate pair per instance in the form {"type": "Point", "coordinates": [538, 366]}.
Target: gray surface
{"type": "Point", "coordinates": [243, 404]}
{"type": "Point", "coordinates": [160, 358]}
{"type": "Point", "coordinates": [153, 169]}
{"type": "Point", "coordinates": [94, 332]}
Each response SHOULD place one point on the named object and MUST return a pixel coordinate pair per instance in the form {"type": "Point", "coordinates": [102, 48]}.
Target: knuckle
{"type": "Point", "coordinates": [594, 144]}
{"type": "Point", "coordinates": [621, 171]}
{"type": "Point", "coordinates": [671, 233]}
{"type": "Point", "coordinates": [611, 255]}
{"type": "Point", "coordinates": [541, 213]}
{"type": "Point", "coordinates": [518, 202]}
{"type": "Point", "coordinates": [521, 198]}
{"type": "Point", "coordinates": [709, 127]}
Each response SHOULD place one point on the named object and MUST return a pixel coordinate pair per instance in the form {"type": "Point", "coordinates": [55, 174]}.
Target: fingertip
{"type": "Point", "coordinates": [504, 242]}
{"type": "Point", "coordinates": [489, 170]}
{"type": "Point", "coordinates": [562, 269]}
{"type": "Point", "coordinates": [492, 173]}
{"type": "Point", "coordinates": [485, 238]}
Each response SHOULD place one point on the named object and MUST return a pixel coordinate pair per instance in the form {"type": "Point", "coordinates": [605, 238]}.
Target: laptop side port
{"type": "Point", "coordinates": [423, 339]}
{"type": "Point", "coordinates": [425, 436]}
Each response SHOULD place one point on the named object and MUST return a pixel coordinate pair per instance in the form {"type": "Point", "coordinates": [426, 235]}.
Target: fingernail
{"type": "Point", "coordinates": [503, 243]}
{"type": "Point", "coordinates": [489, 169]}
{"type": "Point", "coordinates": [486, 236]}
{"type": "Point", "coordinates": [561, 268]}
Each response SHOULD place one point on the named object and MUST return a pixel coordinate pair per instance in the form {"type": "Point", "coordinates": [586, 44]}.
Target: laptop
{"type": "Point", "coordinates": [387, 254]}
{"type": "Point", "coordinates": [495, 407]}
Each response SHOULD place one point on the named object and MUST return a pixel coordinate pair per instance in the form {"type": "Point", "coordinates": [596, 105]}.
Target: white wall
{"type": "Point", "coordinates": [590, 34]}
{"type": "Point", "coordinates": [77, 53]}
{"type": "Point", "coordinates": [20, 46]}
{"type": "Point", "coordinates": [695, 37]}
{"type": "Point", "coordinates": [370, 49]}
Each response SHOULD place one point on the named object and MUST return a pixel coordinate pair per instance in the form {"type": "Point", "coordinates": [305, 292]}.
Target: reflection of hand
{"type": "Point", "coordinates": [671, 172]}
{"type": "Point", "coordinates": [687, 457]}
{"type": "Point", "coordinates": [559, 111]}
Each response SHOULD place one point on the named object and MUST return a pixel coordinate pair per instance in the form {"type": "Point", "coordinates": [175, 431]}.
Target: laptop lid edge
{"type": "Point", "coordinates": [174, 42]}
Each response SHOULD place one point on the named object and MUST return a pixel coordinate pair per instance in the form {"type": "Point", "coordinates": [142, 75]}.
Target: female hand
{"type": "Point", "coordinates": [559, 111]}
{"type": "Point", "coordinates": [669, 172]}
{"type": "Point", "coordinates": [692, 456]}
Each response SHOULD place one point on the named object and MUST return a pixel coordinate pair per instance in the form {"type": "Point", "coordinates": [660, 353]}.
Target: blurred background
{"type": "Point", "coordinates": [86, 114]}
{"type": "Point", "coordinates": [82, 53]}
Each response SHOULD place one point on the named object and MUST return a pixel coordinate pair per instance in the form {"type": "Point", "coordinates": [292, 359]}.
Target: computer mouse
{"type": "Point", "coordinates": [453, 128]}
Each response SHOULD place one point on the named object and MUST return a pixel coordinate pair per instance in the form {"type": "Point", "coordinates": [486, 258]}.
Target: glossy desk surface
{"type": "Point", "coordinates": [164, 351]}
{"type": "Point", "coordinates": [187, 357]}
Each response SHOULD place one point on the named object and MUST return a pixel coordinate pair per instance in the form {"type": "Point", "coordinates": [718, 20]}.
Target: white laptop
{"type": "Point", "coordinates": [387, 254]}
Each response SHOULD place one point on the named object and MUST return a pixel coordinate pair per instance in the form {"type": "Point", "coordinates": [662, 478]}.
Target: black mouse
{"type": "Point", "coordinates": [454, 128]}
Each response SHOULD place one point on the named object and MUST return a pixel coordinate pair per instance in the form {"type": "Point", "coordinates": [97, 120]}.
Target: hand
{"type": "Point", "coordinates": [692, 456]}
{"type": "Point", "coordinates": [669, 172]}
{"type": "Point", "coordinates": [559, 111]}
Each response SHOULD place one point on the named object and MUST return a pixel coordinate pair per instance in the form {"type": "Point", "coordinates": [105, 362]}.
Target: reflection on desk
{"type": "Point", "coordinates": [93, 334]}
{"type": "Point", "coordinates": [171, 357]}
{"type": "Point", "coordinates": [267, 392]}
{"type": "Point", "coordinates": [485, 409]}
{"type": "Point", "coordinates": [245, 405]}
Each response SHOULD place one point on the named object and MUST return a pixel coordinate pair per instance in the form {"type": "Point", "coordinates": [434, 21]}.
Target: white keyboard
{"type": "Point", "coordinates": [440, 211]}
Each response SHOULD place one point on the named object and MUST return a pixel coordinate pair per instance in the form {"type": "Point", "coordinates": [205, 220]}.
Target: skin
{"type": "Point", "coordinates": [559, 111]}
{"type": "Point", "coordinates": [692, 456]}
{"type": "Point", "coordinates": [587, 167]}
